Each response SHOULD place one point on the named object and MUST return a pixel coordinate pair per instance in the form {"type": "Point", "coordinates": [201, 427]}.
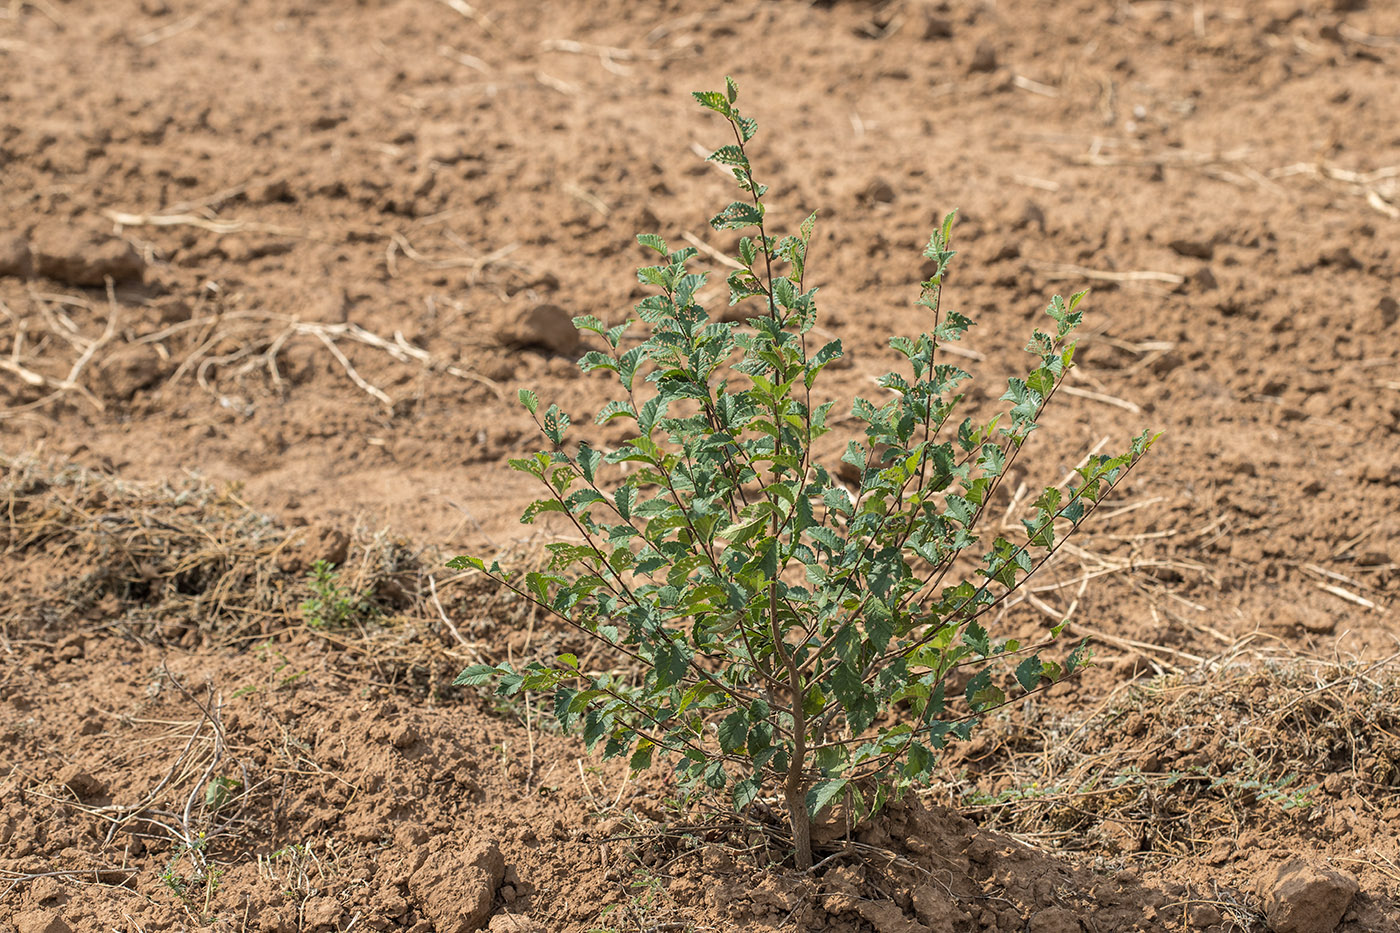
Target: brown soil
{"type": "Point", "coordinates": [271, 272]}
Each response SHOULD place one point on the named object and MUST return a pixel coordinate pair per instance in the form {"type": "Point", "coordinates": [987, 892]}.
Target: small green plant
{"type": "Point", "coordinates": [793, 634]}
{"type": "Point", "coordinates": [333, 606]}
{"type": "Point", "coordinates": [220, 791]}
{"type": "Point", "coordinates": [203, 878]}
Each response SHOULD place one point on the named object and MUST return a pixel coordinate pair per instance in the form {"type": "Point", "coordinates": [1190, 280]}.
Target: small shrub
{"type": "Point", "coordinates": [332, 605]}
{"type": "Point", "coordinates": [793, 634]}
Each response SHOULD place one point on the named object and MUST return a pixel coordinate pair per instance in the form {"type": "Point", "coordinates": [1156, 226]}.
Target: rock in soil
{"type": "Point", "coordinates": [14, 257]}
{"type": "Point", "coordinates": [457, 893]}
{"type": "Point", "coordinates": [1308, 897]}
{"type": "Point", "coordinates": [545, 326]}
{"type": "Point", "coordinates": [130, 369]}
{"type": "Point", "coordinates": [84, 258]}
{"type": "Point", "coordinates": [984, 59]}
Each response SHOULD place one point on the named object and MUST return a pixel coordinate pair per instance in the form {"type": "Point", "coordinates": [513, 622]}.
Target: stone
{"type": "Point", "coordinates": [543, 326]}
{"type": "Point", "coordinates": [14, 257]}
{"type": "Point", "coordinates": [129, 369]}
{"type": "Point", "coordinates": [403, 735]}
{"type": "Point", "coordinates": [984, 59]}
{"type": "Point", "coordinates": [878, 191]}
{"type": "Point", "coordinates": [84, 258]}
{"type": "Point", "coordinates": [81, 783]}
{"type": "Point", "coordinates": [1305, 896]}
{"type": "Point", "coordinates": [1195, 249]}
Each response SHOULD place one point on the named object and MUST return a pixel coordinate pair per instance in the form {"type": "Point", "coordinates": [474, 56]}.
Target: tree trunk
{"type": "Point", "coordinates": [801, 822]}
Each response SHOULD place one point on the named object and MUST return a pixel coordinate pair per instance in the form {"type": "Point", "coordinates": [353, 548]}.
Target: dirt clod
{"type": "Point", "coordinates": [81, 782]}
{"type": "Point", "coordinates": [1388, 310]}
{"type": "Point", "coordinates": [937, 27]}
{"type": "Point", "coordinates": [1196, 249]}
{"type": "Point", "coordinates": [513, 923]}
{"type": "Point", "coordinates": [403, 735]}
{"type": "Point", "coordinates": [1054, 920]}
{"type": "Point", "coordinates": [130, 369]}
{"type": "Point", "coordinates": [878, 191]}
{"type": "Point", "coordinates": [457, 891]}
{"type": "Point", "coordinates": [41, 921]}
{"type": "Point", "coordinates": [1308, 897]}
{"type": "Point", "coordinates": [14, 257]}
{"type": "Point", "coordinates": [984, 59]}
{"type": "Point", "coordinates": [80, 257]}
{"type": "Point", "coordinates": [543, 326]}
{"type": "Point", "coordinates": [935, 909]}
{"type": "Point", "coordinates": [323, 913]}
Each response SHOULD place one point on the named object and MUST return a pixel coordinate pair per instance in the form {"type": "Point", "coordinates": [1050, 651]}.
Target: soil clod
{"type": "Point", "coordinates": [542, 326]}
{"type": "Point", "coordinates": [84, 258]}
{"type": "Point", "coordinates": [1308, 897]}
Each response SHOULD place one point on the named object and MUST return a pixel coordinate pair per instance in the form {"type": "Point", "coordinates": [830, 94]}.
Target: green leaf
{"type": "Point", "coordinates": [530, 400]}
{"type": "Point", "coordinates": [556, 422]}
{"type": "Point", "coordinates": [672, 660]}
{"type": "Point", "coordinates": [596, 359]}
{"type": "Point", "coordinates": [730, 155]}
{"type": "Point", "coordinates": [652, 241]}
{"type": "Point", "coordinates": [220, 791]}
{"type": "Point", "coordinates": [475, 676]}
{"type": "Point", "coordinates": [623, 499]}
{"type": "Point", "coordinates": [745, 792]}
{"type": "Point", "coordinates": [822, 793]}
{"type": "Point", "coordinates": [588, 460]}
{"type": "Point", "coordinates": [737, 216]}
{"type": "Point", "coordinates": [617, 408]}
{"type": "Point", "coordinates": [1028, 672]}
{"type": "Point", "coordinates": [713, 100]}
{"type": "Point", "coordinates": [733, 731]}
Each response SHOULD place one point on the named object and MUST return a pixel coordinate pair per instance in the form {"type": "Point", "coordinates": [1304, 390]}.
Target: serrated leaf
{"type": "Point", "coordinates": [622, 498]}
{"type": "Point", "coordinates": [530, 400]}
{"type": "Point", "coordinates": [713, 100]}
{"type": "Point", "coordinates": [475, 676]}
{"type": "Point", "coordinates": [733, 731]}
{"type": "Point", "coordinates": [745, 792]}
{"type": "Point", "coordinates": [617, 408]}
{"type": "Point", "coordinates": [652, 241]}
{"type": "Point", "coordinates": [588, 460]}
{"type": "Point", "coordinates": [1029, 671]}
{"type": "Point", "coordinates": [822, 793]}
{"type": "Point", "coordinates": [737, 216]}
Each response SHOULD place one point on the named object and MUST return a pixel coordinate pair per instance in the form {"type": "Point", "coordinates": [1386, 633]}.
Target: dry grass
{"type": "Point", "coordinates": [1170, 766]}
{"type": "Point", "coordinates": [196, 565]}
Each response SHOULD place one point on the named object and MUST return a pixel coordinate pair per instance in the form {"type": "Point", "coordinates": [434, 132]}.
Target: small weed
{"type": "Point", "coordinates": [201, 882]}
{"type": "Point", "coordinates": [333, 606]}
